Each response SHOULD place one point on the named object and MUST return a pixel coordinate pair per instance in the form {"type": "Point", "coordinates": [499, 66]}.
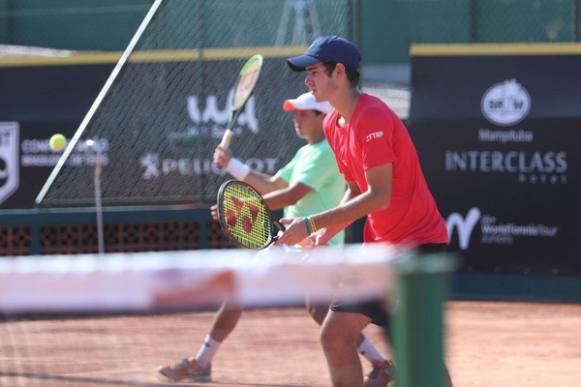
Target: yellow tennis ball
{"type": "Point", "coordinates": [57, 142]}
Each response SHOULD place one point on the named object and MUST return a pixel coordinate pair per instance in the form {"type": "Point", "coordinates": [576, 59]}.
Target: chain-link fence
{"type": "Point", "coordinates": [384, 28]}
{"type": "Point", "coordinates": [177, 81]}
{"type": "Point", "coordinates": [390, 27]}
{"type": "Point", "coordinates": [165, 109]}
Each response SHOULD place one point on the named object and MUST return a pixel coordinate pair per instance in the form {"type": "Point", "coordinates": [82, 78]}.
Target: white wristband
{"type": "Point", "coordinates": [237, 169]}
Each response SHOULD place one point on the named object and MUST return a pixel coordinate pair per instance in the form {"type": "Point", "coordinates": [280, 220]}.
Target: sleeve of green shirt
{"type": "Point", "coordinates": [285, 172]}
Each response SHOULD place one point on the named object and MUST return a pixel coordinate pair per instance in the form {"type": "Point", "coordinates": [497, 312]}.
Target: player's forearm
{"type": "Point", "coordinates": [278, 201]}
{"type": "Point", "coordinates": [332, 230]}
{"type": "Point", "coordinates": [287, 196]}
{"type": "Point", "coordinates": [262, 182]}
{"type": "Point", "coordinates": [325, 234]}
{"type": "Point", "coordinates": [352, 209]}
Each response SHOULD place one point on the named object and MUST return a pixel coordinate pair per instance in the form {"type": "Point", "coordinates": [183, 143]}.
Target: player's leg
{"type": "Point", "coordinates": [317, 312]}
{"type": "Point", "coordinates": [340, 333]}
{"type": "Point", "coordinates": [224, 323]}
{"type": "Point", "coordinates": [199, 368]}
{"type": "Point", "coordinates": [364, 346]}
{"type": "Point", "coordinates": [375, 311]}
{"type": "Point", "coordinates": [226, 320]}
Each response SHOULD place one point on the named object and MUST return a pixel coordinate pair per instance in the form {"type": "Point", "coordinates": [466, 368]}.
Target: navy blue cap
{"type": "Point", "coordinates": [331, 48]}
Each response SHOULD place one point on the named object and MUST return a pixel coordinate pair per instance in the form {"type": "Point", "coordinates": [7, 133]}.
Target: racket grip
{"type": "Point", "coordinates": [278, 226]}
{"type": "Point", "coordinates": [226, 139]}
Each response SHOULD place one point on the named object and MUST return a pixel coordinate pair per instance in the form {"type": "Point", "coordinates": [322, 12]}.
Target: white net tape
{"type": "Point", "coordinates": [162, 280]}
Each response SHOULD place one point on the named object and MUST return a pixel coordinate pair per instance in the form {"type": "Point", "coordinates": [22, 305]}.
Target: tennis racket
{"type": "Point", "coordinates": [245, 217]}
{"type": "Point", "coordinates": [249, 74]}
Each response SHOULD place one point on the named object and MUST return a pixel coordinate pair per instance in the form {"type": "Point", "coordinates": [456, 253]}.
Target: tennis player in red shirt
{"type": "Point", "coordinates": [378, 160]}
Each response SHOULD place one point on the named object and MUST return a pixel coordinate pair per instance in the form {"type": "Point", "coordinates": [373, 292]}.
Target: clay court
{"type": "Point", "coordinates": [489, 344]}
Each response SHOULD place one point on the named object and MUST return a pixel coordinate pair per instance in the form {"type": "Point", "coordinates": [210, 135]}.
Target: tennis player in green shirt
{"type": "Point", "coordinates": [308, 184]}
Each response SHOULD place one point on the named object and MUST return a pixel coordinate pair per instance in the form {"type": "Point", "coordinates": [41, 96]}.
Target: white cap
{"type": "Point", "coordinates": [306, 101]}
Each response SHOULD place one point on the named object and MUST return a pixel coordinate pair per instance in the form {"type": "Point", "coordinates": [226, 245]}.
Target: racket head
{"type": "Point", "coordinates": [244, 216]}
{"type": "Point", "coordinates": [247, 79]}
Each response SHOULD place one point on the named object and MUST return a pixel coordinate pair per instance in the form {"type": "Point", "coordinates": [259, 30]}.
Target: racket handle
{"type": "Point", "coordinates": [226, 139]}
{"type": "Point", "coordinates": [278, 226]}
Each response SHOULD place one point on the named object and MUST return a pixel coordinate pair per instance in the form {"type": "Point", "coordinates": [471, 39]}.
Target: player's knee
{"type": "Point", "coordinates": [326, 338]}
{"type": "Point", "coordinates": [333, 336]}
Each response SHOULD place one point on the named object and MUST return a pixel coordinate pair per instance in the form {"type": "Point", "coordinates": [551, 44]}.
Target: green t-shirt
{"type": "Point", "coordinates": [314, 166]}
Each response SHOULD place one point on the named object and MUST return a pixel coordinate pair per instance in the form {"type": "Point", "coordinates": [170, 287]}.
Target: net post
{"type": "Point", "coordinates": [35, 234]}
{"type": "Point", "coordinates": [418, 321]}
{"type": "Point", "coordinates": [204, 232]}
{"type": "Point", "coordinates": [98, 200]}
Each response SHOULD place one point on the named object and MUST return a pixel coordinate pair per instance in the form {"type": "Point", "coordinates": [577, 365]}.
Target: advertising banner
{"type": "Point", "coordinates": [160, 122]}
{"type": "Point", "coordinates": [156, 127]}
{"type": "Point", "coordinates": [9, 163]}
{"type": "Point", "coordinates": [499, 139]}
{"type": "Point", "coordinates": [35, 103]}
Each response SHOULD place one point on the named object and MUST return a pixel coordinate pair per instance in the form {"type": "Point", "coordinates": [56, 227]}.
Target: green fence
{"type": "Point", "coordinates": [108, 24]}
{"type": "Point", "coordinates": [384, 28]}
{"type": "Point", "coordinates": [73, 231]}
{"type": "Point", "coordinates": [389, 27]}
{"type": "Point", "coordinates": [126, 229]}
{"type": "Point", "coordinates": [69, 24]}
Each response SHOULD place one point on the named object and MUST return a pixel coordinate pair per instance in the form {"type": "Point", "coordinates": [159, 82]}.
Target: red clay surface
{"type": "Point", "coordinates": [489, 344]}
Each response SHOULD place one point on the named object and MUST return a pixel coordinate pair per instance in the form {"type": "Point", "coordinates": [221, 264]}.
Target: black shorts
{"type": "Point", "coordinates": [377, 310]}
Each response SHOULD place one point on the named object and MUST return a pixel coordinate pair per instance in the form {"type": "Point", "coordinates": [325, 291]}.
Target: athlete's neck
{"type": "Point", "coordinates": [346, 102]}
{"type": "Point", "coordinates": [316, 137]}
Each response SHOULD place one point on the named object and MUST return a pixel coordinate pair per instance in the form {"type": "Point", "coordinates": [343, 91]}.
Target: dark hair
{"type": "Point", "coordinates": [352, 74]}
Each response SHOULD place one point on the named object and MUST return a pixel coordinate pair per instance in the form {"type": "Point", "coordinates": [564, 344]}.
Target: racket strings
{"type": "Point", "coordinates": [246, 217]}
{"type": "Point", "coordinates": [248, 78]}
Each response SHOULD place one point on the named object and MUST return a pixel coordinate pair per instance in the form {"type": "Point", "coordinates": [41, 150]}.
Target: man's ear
{"type": "Point", "coordinates": [339, 70]}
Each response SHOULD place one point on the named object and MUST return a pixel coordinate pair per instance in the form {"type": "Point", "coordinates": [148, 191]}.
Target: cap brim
{"type": "Point", "coordinates": [289, 105]}
{"type": "Point", "coordinates": [299, 63]}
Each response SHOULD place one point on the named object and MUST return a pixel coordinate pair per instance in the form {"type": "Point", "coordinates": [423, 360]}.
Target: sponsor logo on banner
{"type": "Point", "coordinates": [212, 121]}
{"type": "Point", "coordinates": [528, 167]}
{"type": "Point", "coordinates": [506, 103]}
{"type": "Point", "coordinates": [9, 161]}
{"type": "Point", "coordinates": [155, 167]}
{"type": "Point", "coordinates": [36, 152]}
{"type": "Point", "coordinates": [463, 225]}
{"type": "Point", "coordinates": [505, 136]}
{"type": "Point", "coordinates": [493, 231]}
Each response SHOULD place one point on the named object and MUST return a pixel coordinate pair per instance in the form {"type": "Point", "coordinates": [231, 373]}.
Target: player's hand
{"type": "Point", "coordinates": [295, 232]}
{"type": "Point", "coordinates": [222, 157]}
{"type": "Point", "coordinates": [306, 243]}
{"type": "Point", "coordinates": [325, 234]}
{"type": "Point", "coordinates": [214, 212]}
{"type": "Point", "coordinates": [317, 239]}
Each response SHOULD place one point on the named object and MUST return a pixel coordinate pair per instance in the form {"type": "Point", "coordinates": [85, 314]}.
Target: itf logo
{"type": "Point", "coordinates": [9, 163]}
{"type": "Point", "coordinates": [464, 226]}
{"type": "Point", "coordinates": [506, 103]}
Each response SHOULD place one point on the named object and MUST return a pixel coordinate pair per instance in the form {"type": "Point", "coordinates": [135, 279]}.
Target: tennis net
{"type": "Point", "coordinates": [89, 320]}
{"type": "Point", "coordinates": [145, 282]}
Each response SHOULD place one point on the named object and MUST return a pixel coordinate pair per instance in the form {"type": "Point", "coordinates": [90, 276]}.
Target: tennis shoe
{"type": "Point", "coordinates": [381, 375]}
{"type": "Point", "coordinates": [186, 369]}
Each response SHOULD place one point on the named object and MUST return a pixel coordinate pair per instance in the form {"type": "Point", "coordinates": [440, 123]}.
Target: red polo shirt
{"type": "Point", "coordinates": [376, 136]}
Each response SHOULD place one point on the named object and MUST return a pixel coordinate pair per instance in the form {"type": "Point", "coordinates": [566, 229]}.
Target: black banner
{"type": "Point", "coordinates": [157, 126]}
{"type": "Point", "coordinates": [499, 139]}
{"type": "Point", "coordinates": [35, 103]}
{"type": "Point", "coordinates": [160, 122]}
